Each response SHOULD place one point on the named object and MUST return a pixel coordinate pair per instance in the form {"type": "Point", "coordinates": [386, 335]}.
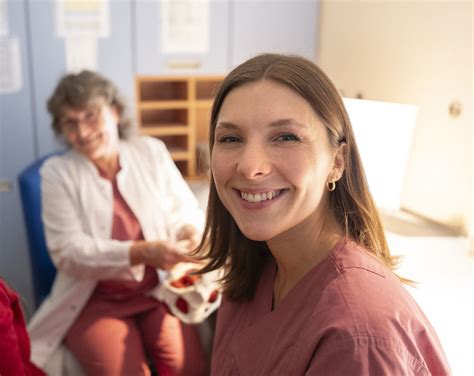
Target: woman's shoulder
{"type": "Point", "coordinates": [368, 288]}
{"type": "Point", "coordinates": [61, 163]}
{"type": "Point", "coordinates": [365, 308]}
{"type": "Point", "coordinates": [367, 303]}
{"type": "Point", "coordinates": [352, 257]}
{"type": "Point", "coordinates": [144, 144]}
{"type": "Point", "coordinates": [145, 152]}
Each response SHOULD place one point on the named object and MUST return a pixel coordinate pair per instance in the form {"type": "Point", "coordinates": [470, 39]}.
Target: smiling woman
{"type": "Point", "coordinates": [308, 280]}
{"type": "Point", "coordinates": [278, 153]}
{"type": "Point", "coordinates": [114, 208]}
{"type": "Point", "coordinates": [90, 114]}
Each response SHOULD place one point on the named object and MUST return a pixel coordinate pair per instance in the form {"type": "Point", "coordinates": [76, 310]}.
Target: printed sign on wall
{"type": "Point", "coordinates": [81, 23]}
{"type": "Point", "coordinates": [3, 18]}
{"type": "Point", "coordinates": [10, 61]}
{"type": "Point", "coordinates": [10, 58]}
{"type": "Point", "coordinates": [184, 26]}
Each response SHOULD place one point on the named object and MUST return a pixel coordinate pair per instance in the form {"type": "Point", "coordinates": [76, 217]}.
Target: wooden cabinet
{"type": "Point", "coordinates": [176, 109]}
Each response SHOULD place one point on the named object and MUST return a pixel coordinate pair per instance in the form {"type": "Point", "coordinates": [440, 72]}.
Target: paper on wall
{"type": "Point", "coordinates": [3, 18]}
{"type": "Point", "coordinates": [81, 53]}
{"type": "Point", "coordinates": [184, 26]}
{"type": "Point", "coordinates": [82, 18]}
{"type": "Point", "coordinates": [81, 23]}
{"type": "Point", "coordinates": [10, 61]}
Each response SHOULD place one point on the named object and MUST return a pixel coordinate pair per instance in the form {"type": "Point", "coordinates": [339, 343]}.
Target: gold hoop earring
{"type": "Point", "coordinates": [331, 186]}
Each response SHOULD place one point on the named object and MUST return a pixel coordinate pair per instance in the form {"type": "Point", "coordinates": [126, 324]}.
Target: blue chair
{"type": "Point", "coordinates": [42, 268]}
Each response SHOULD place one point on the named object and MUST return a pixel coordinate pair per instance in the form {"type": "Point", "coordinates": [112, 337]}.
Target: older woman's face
{"type": "Point", "coordinates": [92, 131]}
{"type": "Point", "coordinates": [271, 160]}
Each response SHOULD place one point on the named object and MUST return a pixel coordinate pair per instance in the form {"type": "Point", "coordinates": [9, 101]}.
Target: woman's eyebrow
{"type": "Point", "coordinates": [276, 123]}
{"type": "Point", "coordinates": [286, 122]}
{"type": "Point", "coordinates": [226, 125]}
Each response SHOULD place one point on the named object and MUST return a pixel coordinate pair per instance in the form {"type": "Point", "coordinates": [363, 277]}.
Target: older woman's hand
{"type": "Point", "coordinates": [188, 237]}
{"type": "Point", "coordinates": [158, 254]}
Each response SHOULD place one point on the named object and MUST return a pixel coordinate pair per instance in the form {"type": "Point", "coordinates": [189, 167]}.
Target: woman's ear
{"type": "Point", "coordinates": [115, 111]}
{"type": "Point", "coordinates": [115, 114]}
{"type": "Point", "coordinates": [339, 162]}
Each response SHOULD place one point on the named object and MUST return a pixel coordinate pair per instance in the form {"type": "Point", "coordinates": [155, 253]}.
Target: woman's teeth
{"type": "Point", "coordinates": [258, 197]}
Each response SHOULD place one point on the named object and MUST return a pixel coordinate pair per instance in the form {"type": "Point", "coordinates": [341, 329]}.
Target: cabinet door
{"type": "Point", "coordinates": [17, 149]}
{"type": "Point", "coordinates": [150, 58]}
{"type": "Point", "coordinates": [114, 58]}
{"type": "Point", "coordinates": [281, 26]}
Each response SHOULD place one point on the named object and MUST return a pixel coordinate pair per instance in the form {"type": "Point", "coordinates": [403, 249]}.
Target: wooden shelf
{"type": "Point", "coordinates": [203, 103]}
{"type": "Point", "coordinates": [206, 87]}
{"type": "Point", "coordinates": [179, 154]}
{"type": "Point", "coordinates": [163, 89]}
{"type": "Point", "coordinates": [176, 109]}
{"type": "Point", "coordinates": [167, 130]}
{"type": "Point", "coordinates": [158, 105]}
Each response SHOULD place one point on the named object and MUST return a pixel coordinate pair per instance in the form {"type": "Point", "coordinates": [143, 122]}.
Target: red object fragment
{"type": "Point", "coordinates": [182, 305]}
{"type": "Point", "coordinates": [185, 281]}
{"type": "Point", "coordinates": [177, 283]}
{"type": "Point", "coordinates": [213, 296]}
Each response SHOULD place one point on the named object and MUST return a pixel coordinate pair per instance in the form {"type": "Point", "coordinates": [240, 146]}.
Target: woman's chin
{"type": "Point", "coordinates": [95, 152]}
{"type": "Point", "coordinates": [91, 155]}
{"type": "Point", "coordinates": [259, 235]}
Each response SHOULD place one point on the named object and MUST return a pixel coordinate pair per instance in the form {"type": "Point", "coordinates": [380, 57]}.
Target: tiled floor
{"type": "Point", "coordinates": [439, 261]}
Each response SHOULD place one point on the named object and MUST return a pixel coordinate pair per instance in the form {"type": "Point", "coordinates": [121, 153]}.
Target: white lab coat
{"type": "Point", "coordinates": [77, 216]}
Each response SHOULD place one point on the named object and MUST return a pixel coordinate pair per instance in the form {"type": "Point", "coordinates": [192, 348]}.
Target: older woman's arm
{"type": "Point", "coordinates": [158, 254]}
{"type": "Point", "coordinates": [185, 220]}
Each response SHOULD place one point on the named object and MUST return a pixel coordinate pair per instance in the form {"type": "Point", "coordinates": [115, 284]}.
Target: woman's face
{"type": "Point", "coordinates": [92, 131]}
{"type": "Point", "coordinates": [271, 160]}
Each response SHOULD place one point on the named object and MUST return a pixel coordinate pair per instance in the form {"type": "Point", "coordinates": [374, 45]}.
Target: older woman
{"type": "Point", "coordinates": [308, 283]}
{"type": "Point", "coordinates": [114, 207]}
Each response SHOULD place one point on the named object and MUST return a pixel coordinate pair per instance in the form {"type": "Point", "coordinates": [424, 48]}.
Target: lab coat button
{"type": "Point", "coordinates": [73, 307]}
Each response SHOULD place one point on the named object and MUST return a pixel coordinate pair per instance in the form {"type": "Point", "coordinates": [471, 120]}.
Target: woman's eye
{"type": "Point", "coordinates": [287, 137]}
{"type": "Point", "coordinates": [89, 116]}
{"type": "Point", "coordinates": [69, 124]}
{"type": "Point", "coordinates": [228, 139]}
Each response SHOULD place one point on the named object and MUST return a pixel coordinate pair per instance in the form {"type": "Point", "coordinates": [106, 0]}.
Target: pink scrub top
{"type": "Point", "coordinates": [349, 315]}
{"type": "Point", "coordinates": [125, 226]}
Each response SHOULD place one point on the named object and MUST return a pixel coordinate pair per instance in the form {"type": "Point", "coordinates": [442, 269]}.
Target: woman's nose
{"type": "Point", "coordinates": [83, 129]}
{"type": "Point", "coordinates": [254, 162]}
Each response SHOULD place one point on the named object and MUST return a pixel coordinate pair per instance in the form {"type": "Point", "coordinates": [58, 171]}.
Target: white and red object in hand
{"type": "Point", "coordinates": [189, 297]}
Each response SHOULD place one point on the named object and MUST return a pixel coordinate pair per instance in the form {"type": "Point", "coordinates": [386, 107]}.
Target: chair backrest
{"type": "Point", "coordinates": [43, 270]}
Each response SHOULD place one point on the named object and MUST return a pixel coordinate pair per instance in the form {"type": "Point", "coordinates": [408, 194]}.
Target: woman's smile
{"type": "Point", "coordinates": [95, 138]}
{"type": "Point", "coordinates": [90, 142]}
{"type": "Point", "coordinates": [266, 160]}
{"type": "Point", "coordinates": [258, 199]}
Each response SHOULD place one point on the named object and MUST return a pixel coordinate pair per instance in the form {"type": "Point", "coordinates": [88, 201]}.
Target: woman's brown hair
{"type": "Point", "coordinates": [80, 90]}
{"type": "Point", "coordinates": [223, 243]}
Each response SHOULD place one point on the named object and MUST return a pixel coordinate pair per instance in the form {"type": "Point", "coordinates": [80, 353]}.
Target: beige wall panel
{"type": "Point", "coordinates": [416, 52]}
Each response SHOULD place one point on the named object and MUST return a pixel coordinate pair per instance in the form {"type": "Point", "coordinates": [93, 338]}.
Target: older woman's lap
{"type": "Point", "coordinates": [117, 337]}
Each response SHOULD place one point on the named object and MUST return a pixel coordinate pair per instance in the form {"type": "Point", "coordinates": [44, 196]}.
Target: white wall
{"type": "Point", "coordinates": [416, 52]}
